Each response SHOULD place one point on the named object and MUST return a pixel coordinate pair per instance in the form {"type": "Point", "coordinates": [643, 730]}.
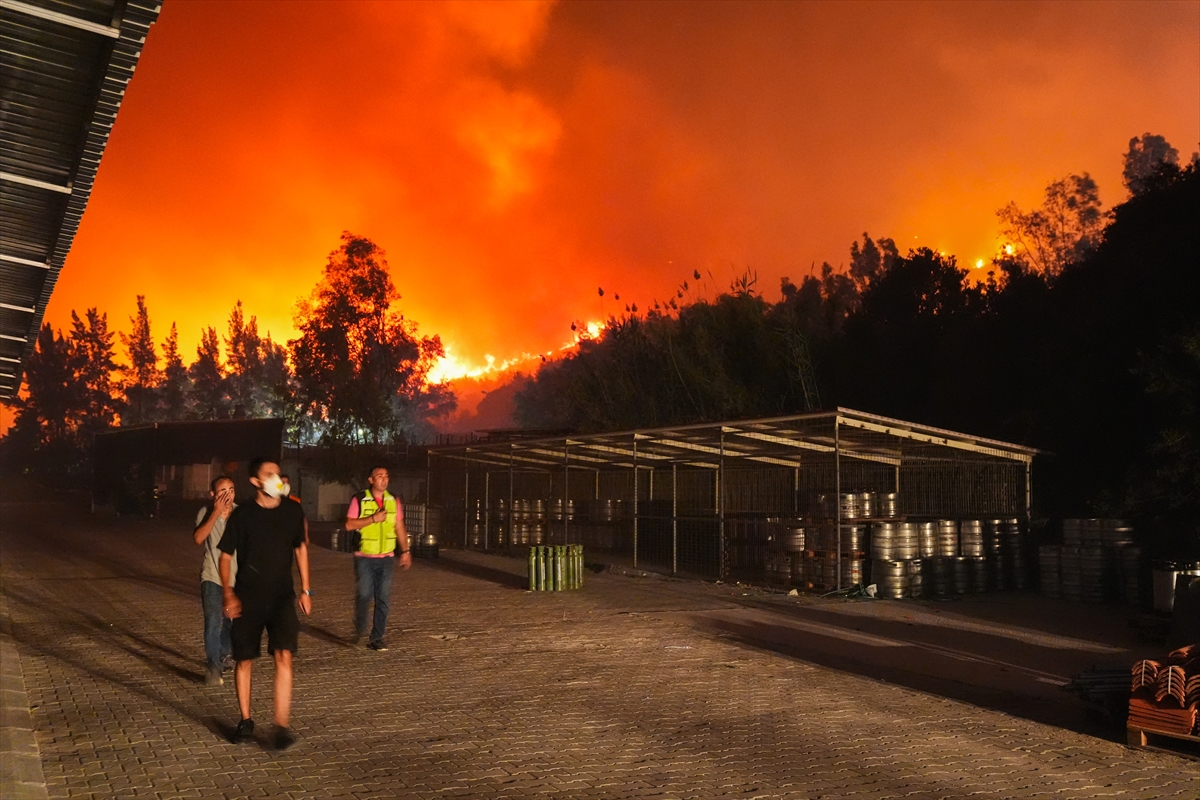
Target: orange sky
{"type": "Point", "coordinates": [512, 158]}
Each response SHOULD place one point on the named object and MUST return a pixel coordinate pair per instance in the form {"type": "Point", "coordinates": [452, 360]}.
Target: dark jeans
{"type": "Point", "coordinates": [217, 643]}
{"type": "Point", "coordinates": [373, 580]}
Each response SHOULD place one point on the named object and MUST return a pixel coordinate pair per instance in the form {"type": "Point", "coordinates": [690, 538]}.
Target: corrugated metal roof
{"type": "Point", "coordinates": [781, 441]}
{"type": "Point", "coordinates": [64, 67]}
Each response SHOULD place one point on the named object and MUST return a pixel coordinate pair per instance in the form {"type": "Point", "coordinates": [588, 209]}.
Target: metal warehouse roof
{"type": "Point", "coordinates": [64, 66]}
{"type": "Point", "coordinates": [791, 441]}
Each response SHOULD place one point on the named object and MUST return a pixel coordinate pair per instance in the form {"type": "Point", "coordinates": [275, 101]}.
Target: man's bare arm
{"type": "Point", "coordinates": [305, 587]}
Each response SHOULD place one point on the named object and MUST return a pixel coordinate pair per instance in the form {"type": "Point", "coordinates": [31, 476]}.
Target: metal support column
{"type": "Point", "coordinates": [635, 502]}
{"type": "Point", "coordinates": [566, 494]}
{"type": "Point", "coordinates": [837, 501]}
{"type": "Point", "coordinates": [674, 519]}
{"type": "Point", "coordinates": [487, 506]}
{"type": "Point", "coordinates": [511, 528]}
{"type": "Point", "coordinates": [466, 495]}
{"type": "Point", "coordinates": [719, 499]}
{"type": "Point", "coordinates": [796, 492]}
{"type": "Point", "coordinates": [1028, 490]}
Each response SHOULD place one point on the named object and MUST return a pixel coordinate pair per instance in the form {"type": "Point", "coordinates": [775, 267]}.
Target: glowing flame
{"type": "Point", "coordinates": [979, 263]}
{"type": "Point", "coordinates": [451, 368]}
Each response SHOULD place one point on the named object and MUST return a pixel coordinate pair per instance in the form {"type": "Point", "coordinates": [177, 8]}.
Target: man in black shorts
{"type": "Point", "coordinates": [264, 535]}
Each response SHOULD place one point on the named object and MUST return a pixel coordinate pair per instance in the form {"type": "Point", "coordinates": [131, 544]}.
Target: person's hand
{"type": "Point", "coordinates": [233, 607]}
{"type": "Point", "coordinates": [224, 504]}
{"type": "Point", "coordinates": [406, 560]}
{"type": "Point", "coordinates": [306, 603]}
{"type": "Point", "coordinates": [379, 516]}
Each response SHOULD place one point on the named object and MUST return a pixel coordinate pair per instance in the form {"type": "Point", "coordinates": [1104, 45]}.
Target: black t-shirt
{"type": "Point", "coordinates": [264, 540]}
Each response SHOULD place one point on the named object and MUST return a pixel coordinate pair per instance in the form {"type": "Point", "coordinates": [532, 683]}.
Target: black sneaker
{"type": "Point", "coordinates": [284, 738]}
{"type": "Point", "coordinates": [244, 732]}
{"type": "Point", "coordinates": [379, 646]}
{"type": "Point", "coordinates": [213, 677]}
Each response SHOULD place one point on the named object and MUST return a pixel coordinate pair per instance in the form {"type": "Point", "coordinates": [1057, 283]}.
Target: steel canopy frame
{"type": "Point", "coordinates": [837, 439]}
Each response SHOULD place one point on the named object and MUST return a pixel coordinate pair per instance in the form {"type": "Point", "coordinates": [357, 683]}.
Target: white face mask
{"type": "Point", "coordinates": [286, 490]}
{"type": "Point", "coordinates": [273, 487]}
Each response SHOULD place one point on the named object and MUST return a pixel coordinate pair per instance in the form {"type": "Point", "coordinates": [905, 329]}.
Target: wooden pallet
{"type": "Point", "coordinates": [1142, 737]}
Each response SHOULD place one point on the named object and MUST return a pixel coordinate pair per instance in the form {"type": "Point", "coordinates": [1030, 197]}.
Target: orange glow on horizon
{"type": "Point", "coordinates": [510, 157]}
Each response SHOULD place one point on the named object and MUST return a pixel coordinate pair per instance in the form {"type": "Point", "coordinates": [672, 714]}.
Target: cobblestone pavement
{"type": "Point", "coordinates": [488, 691]}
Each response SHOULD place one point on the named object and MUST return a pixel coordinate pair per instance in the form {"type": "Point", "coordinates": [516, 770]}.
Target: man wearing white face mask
{"type": "Point", "coordinates": [264, 535]}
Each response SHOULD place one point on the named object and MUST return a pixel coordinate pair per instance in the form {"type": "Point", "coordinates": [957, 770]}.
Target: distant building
{"type": "Point", "coordinates": [179, 459]}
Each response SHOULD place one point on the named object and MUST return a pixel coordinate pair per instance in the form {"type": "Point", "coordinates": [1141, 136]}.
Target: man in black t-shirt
{"type": "Point", "coordinates": [265, 535]}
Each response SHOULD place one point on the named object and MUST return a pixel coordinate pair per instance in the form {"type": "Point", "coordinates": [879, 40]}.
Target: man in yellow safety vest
{"type": "Point", "coordinates": [378, 516]}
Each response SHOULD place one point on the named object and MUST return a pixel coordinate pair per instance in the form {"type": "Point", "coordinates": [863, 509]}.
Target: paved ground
{"type": "Point", "coordinates": [632, 687]}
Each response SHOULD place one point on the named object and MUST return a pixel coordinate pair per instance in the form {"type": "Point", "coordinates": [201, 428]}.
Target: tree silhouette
{"type": "Point", "coordinates": [1062, 231]}
{"type": "Point", "coordinates": [142, 375]}
{"type": "Point", "coordinates": [1147, 155]}
{"type": "Point", "coordinates": [209, 399]}
{"type": "Point", "coordinates": [360, 368]}
{"type": "Point", "coordinates": [176, 384]}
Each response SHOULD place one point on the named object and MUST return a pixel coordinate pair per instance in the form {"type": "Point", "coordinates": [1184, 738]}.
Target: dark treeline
{"type": "Point", "coordinates": [1084, 341]}
{"type": "Point", "coordinates": [355, 375]}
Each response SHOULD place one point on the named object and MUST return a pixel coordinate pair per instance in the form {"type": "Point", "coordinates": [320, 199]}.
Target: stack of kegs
{"type": "Point", "coordinates": [1012, 554]}
{"type": "Point", "coordinates": [947, 557]}
{"type": "Point", "coordinates": [888, 505]}
{"type": "Point", "coordinates": [500, 528]}
{"type": "Point", "coordinates": [1097, 562]}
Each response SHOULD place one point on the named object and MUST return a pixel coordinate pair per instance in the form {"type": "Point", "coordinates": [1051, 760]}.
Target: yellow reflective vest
{"type": "Point", "coordinates": [378, 537]}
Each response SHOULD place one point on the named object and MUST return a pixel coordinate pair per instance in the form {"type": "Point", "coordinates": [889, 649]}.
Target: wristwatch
{"type": "Point", "coordinates": [308, 592]}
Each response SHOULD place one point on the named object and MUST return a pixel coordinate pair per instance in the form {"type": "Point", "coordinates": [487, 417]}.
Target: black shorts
{"type": "Point", "coordinates": [278, 617]}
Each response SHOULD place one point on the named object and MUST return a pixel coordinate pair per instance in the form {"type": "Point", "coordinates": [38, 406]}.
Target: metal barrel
{"type": "Point", "coordinates": [888, 505]}
{"type": "Point", "coordinates": [883, 541]}
{"type": "Point", "coordinates": [866, 505]}
{"type": "Point", "coordinates": [981, 574]}
{"type": "Point", "coordinates": [970, 538]}
{"type": "Point", "coordinates": [1092, 574]}
{"type": "Point", "coordinates": [947, 538]}
{"type": "Point", "coordinates": [1072, 579]}
{"type": "Point", "coordinates": [852, 571]}
{"type": "Point", "coordinates": [1050, 570]}
{"type": "Point", "coordinates": [793, 539]}
{"type": "Point", "coordinates": [890, 578]}
{"type": "Point", "coordinates": [1072, 536]}
{"type": "Point", "coordinates": [961, 574]}
{"type": "Point", "coordinates": [907, 544]}
{"type": "Point", "coordinates": [916, 578]}
{"type": "Point", "coordinates": [854, 538]}
{"type": "Point", "coordinates": [927, 539]}
{"type": "Point", "coordinates": [993, 533]}
{"type": "Point", "coordinates": [848, 504]}
{"type": "Point", "coordinates": [939, 575]}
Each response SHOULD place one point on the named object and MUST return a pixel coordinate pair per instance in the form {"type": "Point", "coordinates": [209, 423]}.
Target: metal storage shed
{"type": "Point", "coordinates": [704, 498]}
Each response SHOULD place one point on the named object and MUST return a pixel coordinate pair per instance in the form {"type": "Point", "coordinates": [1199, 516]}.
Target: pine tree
{"type": "Point", "coordinates": [142, 376]}
{"type": "Point", "coordinates": [176, 384]}
{"type": "Point", "coordinates": [209, 399]}
{"type": "Point", "coordinates": [91, 359]}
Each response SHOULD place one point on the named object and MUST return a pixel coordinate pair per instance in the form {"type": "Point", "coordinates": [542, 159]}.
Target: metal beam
{"type": "Point", "coordinates": [25, 261]}
{"type": "Point", "coordinates": [61, 19]}
{"type": "Point", "coordinates": [12, 177]}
